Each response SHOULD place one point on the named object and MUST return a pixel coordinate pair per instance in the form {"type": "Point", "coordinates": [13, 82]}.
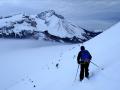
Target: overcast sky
{"type": "Point", "coordinates": [90, 14]}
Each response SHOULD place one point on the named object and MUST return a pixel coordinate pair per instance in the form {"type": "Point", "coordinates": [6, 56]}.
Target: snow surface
{"type": "Point", "coordinates": [6, 21]}
{"type": "Point", "coordinates": [28, 65]}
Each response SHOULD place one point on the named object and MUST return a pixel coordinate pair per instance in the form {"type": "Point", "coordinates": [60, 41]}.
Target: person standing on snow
{"type": "Point", "coordinates": [83, 59]}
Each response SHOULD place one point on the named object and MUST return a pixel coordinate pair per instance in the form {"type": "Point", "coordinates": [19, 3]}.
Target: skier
{"type": "Point", "coordinates": [84, 58]}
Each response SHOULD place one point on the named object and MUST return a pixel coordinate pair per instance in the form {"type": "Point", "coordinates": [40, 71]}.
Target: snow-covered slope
{"type": "Point", "coordinates": [42, 68]}
{"type": "Point", "coordinates": [55, 25]}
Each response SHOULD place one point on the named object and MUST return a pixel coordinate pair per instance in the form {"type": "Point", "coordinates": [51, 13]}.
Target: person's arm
{"type": "Point", "coordinates": [78, 57]}
{"type": "Point", "coordinates": [90, 56]}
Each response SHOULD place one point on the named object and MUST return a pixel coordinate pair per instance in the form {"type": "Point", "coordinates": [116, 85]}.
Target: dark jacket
{"type": "Point", "coordinates": [79, 58]}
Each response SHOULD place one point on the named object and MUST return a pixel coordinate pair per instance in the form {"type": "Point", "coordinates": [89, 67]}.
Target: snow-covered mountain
{"type": "Point", "coordinates": [26, 65]}
{"type": "Point", "coordinates": [46, 25]}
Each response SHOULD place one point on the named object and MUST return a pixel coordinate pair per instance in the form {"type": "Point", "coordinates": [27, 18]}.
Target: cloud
{"type": "Point", "coordinates": [83, 12]}
{"type": "Point", "coordinates": [13, 2]}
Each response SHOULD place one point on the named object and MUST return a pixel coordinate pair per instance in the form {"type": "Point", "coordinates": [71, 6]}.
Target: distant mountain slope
{"type": "Point", "coordinates": [47, 25]}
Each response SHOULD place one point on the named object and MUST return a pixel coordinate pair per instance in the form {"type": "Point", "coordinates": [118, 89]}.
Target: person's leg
{"type": "Point", "coordinates": [87, 70]}
{"type": "Point", "coordinates": [82, 72]}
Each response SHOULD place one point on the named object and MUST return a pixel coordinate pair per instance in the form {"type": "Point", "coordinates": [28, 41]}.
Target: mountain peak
{"type": "Point", "coordinates": [58, 28]}
{"type": "Point", "coordinates": [49, 13]}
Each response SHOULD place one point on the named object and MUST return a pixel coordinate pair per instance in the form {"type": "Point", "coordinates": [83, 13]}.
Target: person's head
{"type": "Point", "coordinates": [82, 48]}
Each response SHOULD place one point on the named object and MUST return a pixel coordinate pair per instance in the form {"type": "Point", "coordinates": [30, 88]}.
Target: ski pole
{"type": "Point", "coordinates": [76, 73]}
{"type": "Point", "coordinates": [97, 66]}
